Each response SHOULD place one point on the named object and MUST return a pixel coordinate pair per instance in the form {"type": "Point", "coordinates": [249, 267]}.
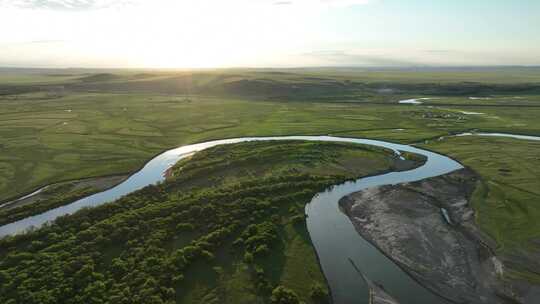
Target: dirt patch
{"type": "Point", "coordinates": [428, 229]}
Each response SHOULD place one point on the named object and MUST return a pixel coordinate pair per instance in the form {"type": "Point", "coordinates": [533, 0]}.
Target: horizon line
{"type": "Point", "coordinates": [276, 67]}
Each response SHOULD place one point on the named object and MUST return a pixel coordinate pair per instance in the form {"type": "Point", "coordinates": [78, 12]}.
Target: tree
{"type": "Point", "coordinates": [319, 293]}
{"type": "Point", "coordinates": [185, 227]}
{"type": "Point", "coordinates": [297, 219]}
{"type": "Point", "coordinates": [261, 250]}
{"type": "Point", "coordinates": [248, 257]}
{"type": "Point", "coordinates": [283, 295]}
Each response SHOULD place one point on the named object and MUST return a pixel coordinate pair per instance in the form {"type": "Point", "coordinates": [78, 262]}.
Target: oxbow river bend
{"type": "Point", "coordinates": [336, 241]}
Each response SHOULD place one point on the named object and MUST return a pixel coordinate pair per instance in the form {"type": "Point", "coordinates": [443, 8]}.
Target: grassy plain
{"type": "Point", "coordinates": [90, 123]}
{"type": "Point", "coordinates": [45, 140]}
{"type": "Point", "coordinates": [488, 75]}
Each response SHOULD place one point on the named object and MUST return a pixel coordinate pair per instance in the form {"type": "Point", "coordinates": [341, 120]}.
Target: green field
{"type": "Point", "coordinates": [227, 227]}
{"type": "Point", "coordinates": [79, 135]}
{"type": "Point", "coordinates": [328, 85]}
{"type": "Point", "coordinates": [67, 124]}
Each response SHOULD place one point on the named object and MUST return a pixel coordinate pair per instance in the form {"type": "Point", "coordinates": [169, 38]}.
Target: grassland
{"type": "Point", "coordinates": [230, 229]}
{"type": "Point", "coordinates": [488, 75]}
{"type": "Point", "coordinates": [329, 85]}
{"type": "Point", "coordinates": [45, 140]}
{"type": "Point", "coordinates": [484, 101]}
{"type": "Point", "coordinates": [64, 125]}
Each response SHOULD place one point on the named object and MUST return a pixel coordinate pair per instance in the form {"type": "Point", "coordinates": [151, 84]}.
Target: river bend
{"type": "Point", "coordinates": [335, 239]}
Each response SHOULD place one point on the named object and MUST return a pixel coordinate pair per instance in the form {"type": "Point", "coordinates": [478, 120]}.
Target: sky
{"type": "Point", "coordinates": [268, 33]}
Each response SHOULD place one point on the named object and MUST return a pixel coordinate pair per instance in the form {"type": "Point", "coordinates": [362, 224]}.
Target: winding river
{"type": "Point", "coordinates": [336, 241]}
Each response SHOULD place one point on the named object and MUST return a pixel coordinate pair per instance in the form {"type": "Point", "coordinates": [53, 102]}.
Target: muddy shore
{"type": "Point", "coordinates": [428, 229]}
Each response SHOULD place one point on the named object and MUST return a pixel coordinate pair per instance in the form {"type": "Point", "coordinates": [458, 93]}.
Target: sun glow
{"type": "Point", "coordinates": [179, 34]}
{"type": "Point", "coordinates": [255, 33]}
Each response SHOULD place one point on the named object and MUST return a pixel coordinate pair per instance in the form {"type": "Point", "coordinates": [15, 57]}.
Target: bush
{"type": "Point", "coordinates": [261, 250]}
{"type": "Point", "coordinates": [283, 295]}
{"type": "Point", "coordinates": [208, 255]}
{"type": "Point", "coordinates": [185, 227]}
{"type": "Point", "coordinates": [297, 219]}
{"type": "Point", "coordinates": [318, 293]}
{"type": "Point", "coordinates": [239, 242]}
{"type": "Point", "coordinates": [248, 257]}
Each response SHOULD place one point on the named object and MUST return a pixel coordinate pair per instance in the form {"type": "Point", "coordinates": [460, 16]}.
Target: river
{"type": "Point", "coordinates": [335, 239]}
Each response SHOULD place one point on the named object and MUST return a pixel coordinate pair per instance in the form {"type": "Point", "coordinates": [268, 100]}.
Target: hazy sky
{"type": "Point", "coordinates": [225, 33]}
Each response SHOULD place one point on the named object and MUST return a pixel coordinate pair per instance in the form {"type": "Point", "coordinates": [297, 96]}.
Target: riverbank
{"type": "Point", "coordinates": [55, 195]}
{"type": "Point", "coordinates": [377, 293]}
{"type": "Point", "coordinates": [428, 229]}
{"type": "Point", "coordinates": [506, 201]}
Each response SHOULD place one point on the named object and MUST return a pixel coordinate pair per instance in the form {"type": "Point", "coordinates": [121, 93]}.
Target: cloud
{"type": "Point", "coordinates": [32, 43]}
{"type": "Point", "coordinates": [323, 2]}
{"type": "Point", "coordinates": [345, 2]}
{"type": "Point", "coordinates": [283, 3]}
{"type": "Point", "coordinates": [344, 58]}
{"type": "Point", "coordinates": [43, 42]}
{"type": "Point", "coordinates": [78, 5]}
{"type": "Point", "coordinates": [440, 51]}
{"type": "Point", "coordinates": [65, 4]}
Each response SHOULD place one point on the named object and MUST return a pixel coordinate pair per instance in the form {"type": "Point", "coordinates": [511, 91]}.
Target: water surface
{"type": "Point", "coordinates": [334, 237]}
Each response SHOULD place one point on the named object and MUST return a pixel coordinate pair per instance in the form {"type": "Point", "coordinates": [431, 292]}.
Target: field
{"type": "Point", "coordinates": [61, 125]}
{"type": "Point", "coordinates": [80, 135]}
{"type": "Point", "coordinates": [229, 230]}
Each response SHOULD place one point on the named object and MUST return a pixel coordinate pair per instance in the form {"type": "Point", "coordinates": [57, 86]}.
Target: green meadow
{"type": "Point", "coordinates": [64, 125]}
{"type": "Point", "coordinates": [78, 135]}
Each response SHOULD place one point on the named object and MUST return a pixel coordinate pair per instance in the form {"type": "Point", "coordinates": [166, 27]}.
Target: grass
{"type": "Point", "coordinates": [353, 85]}
{"type": "Point", "coordinates": [216, 205]}
{"type": "Point", "coordinates": [92, 134]}
{"type": "Point", "coordinates": [34, 78]}
{"type": "Point", "coordinates": [93, 123]}
{"type": "Point", "coordinates": [255, 158]}
{"type": "Point", "coordinates": [295, 266]}
{"type": "Point", "coordinates": [433, 75]}
{"type": "Point", "coordinates": [299, 250]}
{"type": "Point", "coordinates": [480, 102]}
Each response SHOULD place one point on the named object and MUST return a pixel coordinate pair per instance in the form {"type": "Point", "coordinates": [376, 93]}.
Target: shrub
{"type": "Point", "coordinates": [318, 293]}
{"type": "Point", "coordinates": [283, 295]}
{"type": "Point", "coordinates": [185, 227]}
{"type": "Point", "coordinates": [261, 250]}
{"type": "Point", "coordinates": [298, 219]}
{"type": "Point", "coordinates": [248, 257]}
